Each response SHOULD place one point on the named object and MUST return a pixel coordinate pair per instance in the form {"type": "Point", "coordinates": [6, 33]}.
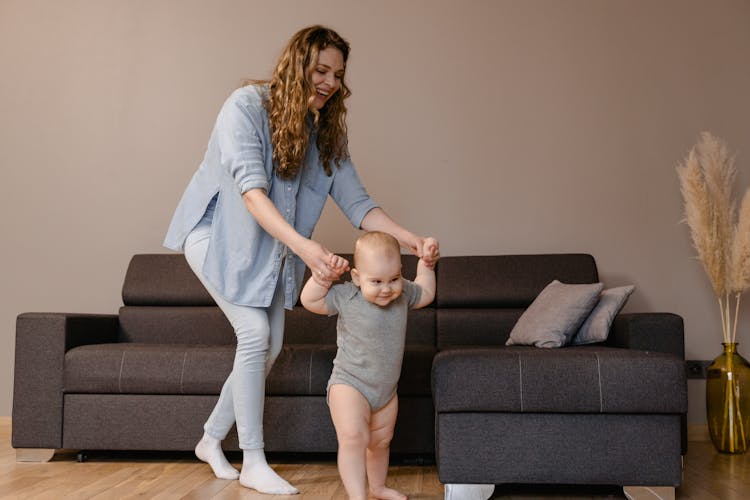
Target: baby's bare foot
{"type": "Point", "coordinates": [384, 493]}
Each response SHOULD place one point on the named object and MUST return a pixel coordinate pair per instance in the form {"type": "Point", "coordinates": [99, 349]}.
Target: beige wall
{"type": "Point", "coordinates": [497, 126]}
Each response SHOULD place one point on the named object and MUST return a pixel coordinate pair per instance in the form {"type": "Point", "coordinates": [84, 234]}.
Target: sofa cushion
{"type": "Point", "coordinates": [474, 327]}
{"type": "Point", "coordinates": [175, 325]}
{"type": "Point", "coordinates": [512, 281]}
{"type": "Point", "coordinates": [555, 315]}
{"type": "Point", "coordinates": [584, 379]}
{"type": "Point", "coordinates": [300, 369]}
{"type": "Point", "coordinates": [305, 369]}
{"type": "Point", "coordinates": [208, 325]}
{"type": "Point", "coordinates": [163, 280]}
{"type": "Point", "coordinates": [597, 325]}
{"type": "Point", "coordinates": [132, 368]}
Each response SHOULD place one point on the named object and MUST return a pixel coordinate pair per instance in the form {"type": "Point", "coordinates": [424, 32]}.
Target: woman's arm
{"type": "Point", "coordinates": [424, 248]}
{"type": "Point", "coordinates": [324, 265]}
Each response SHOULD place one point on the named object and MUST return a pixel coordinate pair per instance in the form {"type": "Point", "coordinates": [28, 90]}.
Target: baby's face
{"type": "Point", "coordinates": [379, 277]}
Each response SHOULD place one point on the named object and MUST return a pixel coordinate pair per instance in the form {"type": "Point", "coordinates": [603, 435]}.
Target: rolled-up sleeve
{"type": "Point", "coordinates": [239, 139]}
{"type": "Point", "coordinates": [350, 195]}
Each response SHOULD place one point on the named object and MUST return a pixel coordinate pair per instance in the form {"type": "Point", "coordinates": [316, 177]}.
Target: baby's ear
{"type": "Point", "coordinates": [355, 276]}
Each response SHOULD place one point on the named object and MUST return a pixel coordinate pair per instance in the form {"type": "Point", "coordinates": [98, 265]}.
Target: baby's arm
{"type": "Point", "coordinates": [313, 297]}
{"type": "Point", "coordinates": [426, 281]}
{"type": "Point", "coordinates": [314, 293]}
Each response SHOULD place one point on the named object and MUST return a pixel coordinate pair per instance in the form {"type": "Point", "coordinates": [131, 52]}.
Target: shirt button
{"type": "Point", "coordinates": [289, 188]}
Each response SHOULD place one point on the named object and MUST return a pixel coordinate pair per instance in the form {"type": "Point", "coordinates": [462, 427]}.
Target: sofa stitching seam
{"type": "Point", "coordinates": [119, 378]}
{"type": "Point", "coordinates": [182, 373]}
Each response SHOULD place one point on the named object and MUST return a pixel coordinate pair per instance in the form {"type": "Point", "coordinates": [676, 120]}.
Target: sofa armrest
{"type": "Point", "coordinates": [659, 332]}
{"type": "Point", "coordinates": [41, 342]}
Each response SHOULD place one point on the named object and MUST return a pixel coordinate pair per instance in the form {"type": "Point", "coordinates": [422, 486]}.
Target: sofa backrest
{"type": "Point", "coordinates": [162, 280]}
{"type": "Point", "coordinates": [164, 302]}
{"type": "Point", "coordinates": [480, 298]}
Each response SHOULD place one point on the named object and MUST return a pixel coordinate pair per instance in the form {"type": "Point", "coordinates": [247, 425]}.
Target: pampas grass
{"type": "Point", "coordinates": [720, 237]}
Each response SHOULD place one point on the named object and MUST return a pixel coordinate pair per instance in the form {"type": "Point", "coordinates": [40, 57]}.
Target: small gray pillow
{"type": "Point", "coordinates": [555, 315]}
{"type": "Point", "coordinates": [596, 327]}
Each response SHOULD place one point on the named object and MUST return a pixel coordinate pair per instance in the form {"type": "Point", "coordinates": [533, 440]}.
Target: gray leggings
{"type": "Point", "coordinates": [260, 333]}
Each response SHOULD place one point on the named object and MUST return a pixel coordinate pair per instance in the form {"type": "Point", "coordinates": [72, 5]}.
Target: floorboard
{"type": "Point", "coordinates": [708, 475]}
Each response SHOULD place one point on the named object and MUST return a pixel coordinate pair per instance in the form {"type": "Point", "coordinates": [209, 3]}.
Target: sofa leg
{"type": "Point", "coordinates": [34, 454]}
{"type": "Point", "coordinates": [649, 492]}
{"type": "Point", "coordinates": [468, 491]}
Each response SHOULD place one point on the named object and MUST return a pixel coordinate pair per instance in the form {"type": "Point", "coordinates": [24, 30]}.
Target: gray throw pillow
{"type": "Point", "coordinates": [555, 315]}
{"type": "Point", "coordinates": [596, 327]}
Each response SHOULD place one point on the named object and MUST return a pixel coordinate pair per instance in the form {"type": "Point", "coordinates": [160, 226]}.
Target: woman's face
{"type": "Point", "coordinates": [326, 75]}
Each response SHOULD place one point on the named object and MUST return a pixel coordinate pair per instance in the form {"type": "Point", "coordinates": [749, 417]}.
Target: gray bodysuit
{"type": "Point", "coordinates": [370, 341]}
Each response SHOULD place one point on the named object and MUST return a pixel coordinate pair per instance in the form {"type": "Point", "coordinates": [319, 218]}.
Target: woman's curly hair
{"type": "Point", "coordinates": [290, 99]}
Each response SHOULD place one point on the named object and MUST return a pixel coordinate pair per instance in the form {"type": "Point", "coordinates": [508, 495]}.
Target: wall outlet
{"type": "Point", "coordinates": [697, 368]}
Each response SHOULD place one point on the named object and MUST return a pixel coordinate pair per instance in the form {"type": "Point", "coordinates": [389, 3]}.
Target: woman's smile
{"type": "Point", "coordinates": [326, 76]}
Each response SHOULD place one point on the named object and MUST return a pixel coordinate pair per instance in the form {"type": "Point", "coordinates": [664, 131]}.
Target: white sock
{"type": "Point", "coordinates": [256, 474]}
{"type": "Point", "coordinates": [209, 450]}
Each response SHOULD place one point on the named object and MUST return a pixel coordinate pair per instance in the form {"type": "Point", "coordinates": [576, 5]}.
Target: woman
{"type": "Point", "coordinates": [278, 149]}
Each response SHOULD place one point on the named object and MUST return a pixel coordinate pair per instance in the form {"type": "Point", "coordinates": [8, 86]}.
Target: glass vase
{"type": "Point", "coordinates": [728, 401]}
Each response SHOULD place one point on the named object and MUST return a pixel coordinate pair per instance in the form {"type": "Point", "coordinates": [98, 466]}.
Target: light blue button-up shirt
{"type": "Point", "coordinates": [244, 261]}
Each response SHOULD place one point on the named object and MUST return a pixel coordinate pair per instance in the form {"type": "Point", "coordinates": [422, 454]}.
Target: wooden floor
{"type": "Point", "coordinates": [708, 475]}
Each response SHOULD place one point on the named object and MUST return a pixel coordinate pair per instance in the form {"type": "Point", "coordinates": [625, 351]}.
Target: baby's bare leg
{"type": "Point", "coordinates": [350, 413]}
{"type": "Point", "coordinates": [378, 451]}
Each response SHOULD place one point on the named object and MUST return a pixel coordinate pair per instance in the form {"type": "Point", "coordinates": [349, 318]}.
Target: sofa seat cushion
{"type": "Point", "coordinates": [584, 379]}
{"type": "Point", "coordinates": [132, 368]}
{"type": "Point", "coordinates": [306, 368]}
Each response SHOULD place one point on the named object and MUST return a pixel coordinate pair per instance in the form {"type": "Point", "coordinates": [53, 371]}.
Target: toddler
{"type": "Point", "coordinates": [371, 332]}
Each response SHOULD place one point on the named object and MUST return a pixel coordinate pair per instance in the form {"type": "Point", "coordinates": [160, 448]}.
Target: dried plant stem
{"type": "Point", "coordinates": [723, 319]}
{"type": "Point", "coordinates": [736, 316]}
{"type": "Point", "coordinates": [729, 317]}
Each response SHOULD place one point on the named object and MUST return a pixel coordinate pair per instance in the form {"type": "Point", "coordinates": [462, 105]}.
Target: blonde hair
{"type": "Point", "coordinates": [377, 240]}
{"type": "Point", "coordinates": [290, 99]}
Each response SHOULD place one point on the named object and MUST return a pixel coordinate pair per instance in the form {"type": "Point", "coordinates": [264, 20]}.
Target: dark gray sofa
{"type": "Point", "coordinates": [147, 378]}
{"type": "Point", "coordinates": [611, 413]}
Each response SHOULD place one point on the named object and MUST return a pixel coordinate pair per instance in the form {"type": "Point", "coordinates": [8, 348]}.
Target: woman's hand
{"type": "Point", "coordinates": [325, 266]}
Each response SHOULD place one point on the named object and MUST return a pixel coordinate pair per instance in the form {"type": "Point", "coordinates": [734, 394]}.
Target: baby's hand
{"type": "Point", "coordinates": [338, 265]}
{"type": "Point", "coordinates": [430, 252]}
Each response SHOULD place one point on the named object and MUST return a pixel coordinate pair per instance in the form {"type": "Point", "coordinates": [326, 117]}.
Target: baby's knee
{"type": "Point", "coordinates": [353, 437]}
{"type": "Point", "coordinates": [380, 440]}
